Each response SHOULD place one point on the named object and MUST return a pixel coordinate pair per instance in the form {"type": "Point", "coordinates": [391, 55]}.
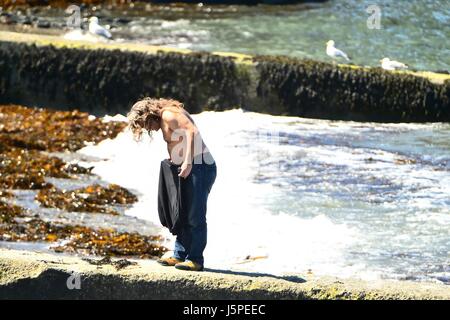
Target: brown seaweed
{"type": "Point", "coordinates": [26, 169]}
{"type": "Point", "coordinates": [23, 181]}
{"type": "Point", "coordinates": [9, 211]}
{"type": "Point", "coordinates": [118, 264]}
{"type": "Point", "coordinates": [81, 239]}
{"type": "Point", "coordinates": [106, 242]}
{"type": "Point", "coordinates": [25, 132]}
{"type": "Point", "coordinates": [6, 194]}
{"type": "Point", "coordinates": [92, 199]}
{"type": "Point", "coordinates": [51, 130]}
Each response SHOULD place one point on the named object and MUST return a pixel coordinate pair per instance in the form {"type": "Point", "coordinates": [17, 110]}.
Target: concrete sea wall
{"type": "Point", "coordinates": [104, 78]}
{"type": "Point", "coordinates": [34, 275]}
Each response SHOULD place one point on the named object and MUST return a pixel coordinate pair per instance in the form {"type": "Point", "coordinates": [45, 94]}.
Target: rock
{"type": "Point", "coordinates": [43, 24]}
{"type": "Point", "coordinates": [212, 81]}
{"type": "Point", "coordinates": [122, 20]}
{"type": "Point", "coordinates": [25, 20]}
{"type": "Point", "coordinates": [47, 275]}
{"type": "Point", "coordinates": [7, 18]}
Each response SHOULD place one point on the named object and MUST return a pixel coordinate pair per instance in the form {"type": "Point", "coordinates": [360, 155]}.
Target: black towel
{"type": "Point", "coordinates": [169, 197]}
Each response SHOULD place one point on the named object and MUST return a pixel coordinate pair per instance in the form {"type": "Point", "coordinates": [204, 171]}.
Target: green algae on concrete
{"type": "Point", "coordinates": [108, 81]}
{"type": "Point", "coordinates": [108, 77]}
{"type": "Point", "coordinates": [322, 90]}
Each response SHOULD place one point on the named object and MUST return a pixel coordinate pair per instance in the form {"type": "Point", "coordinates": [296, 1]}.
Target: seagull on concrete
{"type": "Point", "coordinates": [97, 29]}
{"type": "Point", "coordinates": [388, 64]}
{"type": "Point", "coordinates": [334, 52]}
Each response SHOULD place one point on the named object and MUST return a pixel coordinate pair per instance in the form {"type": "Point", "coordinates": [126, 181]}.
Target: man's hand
{"type": "Point", "coordinates": [185, 170]}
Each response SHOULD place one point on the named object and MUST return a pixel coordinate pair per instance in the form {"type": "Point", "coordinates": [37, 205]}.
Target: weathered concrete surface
{"type": "Point", "coordinates": [35, 275]}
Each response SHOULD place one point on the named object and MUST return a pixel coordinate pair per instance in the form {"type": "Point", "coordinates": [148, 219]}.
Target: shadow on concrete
{"type": "Point", "coordinates": [291, 278]}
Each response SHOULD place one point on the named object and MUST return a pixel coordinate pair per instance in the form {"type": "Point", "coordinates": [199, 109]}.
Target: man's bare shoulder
{"type": "Point", "coordinates": [173, 113]}
{"type": "Point", "coordinates": [168, 114]}
{"type": "Point", "coordinates": [180, 115]}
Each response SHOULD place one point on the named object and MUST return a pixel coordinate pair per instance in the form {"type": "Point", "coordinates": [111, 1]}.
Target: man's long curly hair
{"type": "Point", "coordinates": [146, 110]}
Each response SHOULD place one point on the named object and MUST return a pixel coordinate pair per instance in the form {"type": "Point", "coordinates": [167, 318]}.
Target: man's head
{"type": "Point", "coordinates": [146, 114]}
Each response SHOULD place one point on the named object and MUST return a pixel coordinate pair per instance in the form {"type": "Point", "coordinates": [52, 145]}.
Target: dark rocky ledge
{"type": "Point", "coordinates": [108, 77]}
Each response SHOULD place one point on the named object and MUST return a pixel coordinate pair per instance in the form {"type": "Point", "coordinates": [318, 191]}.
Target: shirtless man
{"type": "Point", "coordinates": [187, 149]}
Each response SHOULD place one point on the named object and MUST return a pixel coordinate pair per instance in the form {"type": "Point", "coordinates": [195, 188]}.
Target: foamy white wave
{"type": "Point", "coordinates": [177, 23]}
{"type": "Point", "coordinates": [117, 117]}
{"type": "Point", "coordinates": [81, 35]}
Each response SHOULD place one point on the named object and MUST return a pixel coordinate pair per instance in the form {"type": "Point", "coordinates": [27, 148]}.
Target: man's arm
{"type": "Point", "coordinates": [178, 121]}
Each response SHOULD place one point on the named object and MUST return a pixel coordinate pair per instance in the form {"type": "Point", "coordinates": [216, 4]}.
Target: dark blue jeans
{"type": "Point", "coordinates": [191, 240]}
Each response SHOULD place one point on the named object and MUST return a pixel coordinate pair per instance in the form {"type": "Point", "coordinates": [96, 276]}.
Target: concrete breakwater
{"type": "Point", "coordinates": [34, 275]}
{"type": "Point", "coordinates": [108, 77]}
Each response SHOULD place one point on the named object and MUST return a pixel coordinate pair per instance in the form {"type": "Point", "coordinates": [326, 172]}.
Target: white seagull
{"type": "Point", "coordinates": [97, 29]}
{"type": "Point", "coordinates": [388, 64]}
{"type": "Point", "coordinates": [334, 52]}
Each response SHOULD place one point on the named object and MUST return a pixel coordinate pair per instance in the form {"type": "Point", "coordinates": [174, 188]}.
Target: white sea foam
{"type": "Point", "coordinates": [177, 23]}
{"type": "Point", "coordinates": [81, 35]}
